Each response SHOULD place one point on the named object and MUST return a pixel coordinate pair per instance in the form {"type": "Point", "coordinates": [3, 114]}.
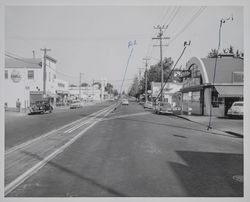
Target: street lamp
{"type": "Point", "coordinates": [222, 21]}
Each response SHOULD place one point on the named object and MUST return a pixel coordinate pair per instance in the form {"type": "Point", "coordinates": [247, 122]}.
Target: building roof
{"type": "Point", "coordinates": [224, 70]}
{"type": "Point", "coordinates": [23, 63]}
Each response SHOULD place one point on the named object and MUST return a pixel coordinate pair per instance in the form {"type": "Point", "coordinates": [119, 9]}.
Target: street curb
{"type": "Point", "coordinates": [236, 134]}
{"type": "Point", "coordinates": [228, 132]}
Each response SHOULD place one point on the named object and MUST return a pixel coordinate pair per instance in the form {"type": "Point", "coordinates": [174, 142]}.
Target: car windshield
{"type": "Point", "coordinates": [238, 104]}
{"type": "Point", "coordinates": [165, 104]}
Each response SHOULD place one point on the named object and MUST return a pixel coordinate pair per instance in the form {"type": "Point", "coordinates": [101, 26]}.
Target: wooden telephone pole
{"type": "Point", "coordinates": [146, 78]}
{"type": "Point", "coordinates": [160, 37]}
{"type": "Point", "coordinates": [44, 69]}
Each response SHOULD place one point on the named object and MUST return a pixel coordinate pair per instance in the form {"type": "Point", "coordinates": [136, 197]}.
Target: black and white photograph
{"type": "Point", "coordinates": [123, 100]}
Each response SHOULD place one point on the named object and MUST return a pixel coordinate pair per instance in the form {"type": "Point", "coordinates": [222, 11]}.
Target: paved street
{"type": "Point", "coordinates": [126, 152]}
{"type": "Point", "coordinates": [19, 127]}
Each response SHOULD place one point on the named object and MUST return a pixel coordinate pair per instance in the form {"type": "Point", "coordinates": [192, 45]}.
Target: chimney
{"type": "Point", "coordinates": [34, 56]}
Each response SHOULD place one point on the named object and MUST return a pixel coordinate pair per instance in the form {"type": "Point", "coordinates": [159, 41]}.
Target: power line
{"type": "Point", "coordinates": [193, 18]}
{"type": "Point", "coordinates": [175, 14]}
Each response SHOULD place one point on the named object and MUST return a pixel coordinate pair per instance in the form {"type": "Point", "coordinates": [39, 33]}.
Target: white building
{"type": "Point", "coordinates": [62, 90]}
{"type": "Point", "coordinates": [169, 89]}
{"type": "Point", "coordinates": [89, 93]}
{"type": "Point", "coordinates": [24, 80]}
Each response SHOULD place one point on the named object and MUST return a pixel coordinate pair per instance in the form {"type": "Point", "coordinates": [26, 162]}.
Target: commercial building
{"type": "Point", "coordinates": [169, 90]}
{"type": "Point", "coordinates": [88, 93]}
{"type": "Point", "coordinates": [62, 91]}
{"type": "Point", "coordinates": [24, 81]}
{"type": "Point", "coordinates": [199, 93]}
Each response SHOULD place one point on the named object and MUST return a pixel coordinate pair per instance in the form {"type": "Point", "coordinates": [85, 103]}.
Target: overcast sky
{"type": "Point", "coordinates": [94, 39]}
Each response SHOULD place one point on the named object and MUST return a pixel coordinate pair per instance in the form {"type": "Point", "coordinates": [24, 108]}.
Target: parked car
{"type": "Point", "coordinates": [40, 107]}
{"type": "Point", "coordinates": [236, 109]}
{"type": "Point", "coordinates": [125, 102]}
{"type": "Point", "coordinates": [163, 108]}
{"type": "Point", "coordinates": [141, 102]}
{"type": "Point", "coordinates": [148, 105]}
{"type": "Point", "coordinates": [75, 104]}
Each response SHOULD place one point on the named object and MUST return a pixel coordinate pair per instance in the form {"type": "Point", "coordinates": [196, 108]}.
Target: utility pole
{"type": "Point", "coordinates": [44, 69]}
{"type": "Point", "coordinates": [146, 78]}
{"type": "Point", "coordinates": [160, 37]}
{"type": "Point", "coordinates": [80, 83]}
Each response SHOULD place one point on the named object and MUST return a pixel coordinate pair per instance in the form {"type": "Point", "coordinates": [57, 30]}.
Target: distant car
{"type": "Point", "coordinates": [163, 108]}
{"type": "Point", "coordinates": [75, 104]}
{"type": "Point", "coordinates": [236, 109]}
{"type": "Point", "coordinates": [40, 107]}
{"type": "Point", "coordinates": [125, 102]}
{"type": "Point", "coordinates": [141, 102]}
{"type": "Point", "coordinates": [148, 105]}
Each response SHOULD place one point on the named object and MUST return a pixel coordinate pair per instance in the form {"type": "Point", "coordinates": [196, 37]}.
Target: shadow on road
{"type": "Point", "coordinates": [210, 174]}
{"type": "Point", "coordinates": [112, 191]}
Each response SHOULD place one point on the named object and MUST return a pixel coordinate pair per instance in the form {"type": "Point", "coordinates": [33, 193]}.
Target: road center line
{"type": "Point", "coordinates": [25, 144]}
{"type": "Point", "coordinates": [19, 180]}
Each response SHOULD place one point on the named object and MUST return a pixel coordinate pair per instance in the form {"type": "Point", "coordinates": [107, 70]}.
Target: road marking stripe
{"type": "Point", "coordinates": [127, 115]}
{"type": "Point", "coordinates": [19, 180]}
{"type": "Point", "coordinates": [25, 144]}
{"type": "Point", "coordinates": [87, 121]}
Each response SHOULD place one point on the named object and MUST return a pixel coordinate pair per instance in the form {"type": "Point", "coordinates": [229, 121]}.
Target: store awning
{"type": "Point", "coordinates": [230, 91]}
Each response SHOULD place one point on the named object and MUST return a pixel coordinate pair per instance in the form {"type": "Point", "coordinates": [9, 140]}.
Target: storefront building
{"type": "Point", "coordinates": [169, 90]}
{"type": "Point", "coordinates": [199, 93]}
{"type": "Point", "coordinates": [62, 91]}
{"type": "Point", "coordinates": [88, 93]}
{"type": "Point", "coordinates": [24, 81]}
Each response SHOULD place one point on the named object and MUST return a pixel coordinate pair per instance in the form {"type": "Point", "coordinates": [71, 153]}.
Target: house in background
{"type": "Point", "coordinates": [199, 93]}
{"type": "Point", "coordinates": [169, 90]}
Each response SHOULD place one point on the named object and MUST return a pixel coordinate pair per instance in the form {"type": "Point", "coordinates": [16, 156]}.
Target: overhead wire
{"type": "Point", "coordinates": [193, 18]}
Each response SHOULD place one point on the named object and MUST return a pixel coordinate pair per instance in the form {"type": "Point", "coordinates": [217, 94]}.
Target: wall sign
{"type": "Point", "coordinates": [16, 76]}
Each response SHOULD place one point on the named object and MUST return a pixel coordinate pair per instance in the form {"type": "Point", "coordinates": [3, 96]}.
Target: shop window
{"type": "Point", "coordinates": [6, 74]}
{"type": "Point", "coordinates": [30, 74]}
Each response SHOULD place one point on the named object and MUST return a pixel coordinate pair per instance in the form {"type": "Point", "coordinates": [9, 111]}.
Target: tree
{"type": "Point", "coordinates": [109, 88]}
{"type": "Point", "coordinates": [134, 90]}
{"type": "Point", "coordinates": [154, 74]}
{"type": "Point", "coordinates": [231, 50]}
{"type": "Point", "coordinates": [115, 92]}
{"type": "Point", "coordinates": [212, 54]}
{"type": "Point", "coordinates": [84, 84]}
{"type": "Point", "coordinates": [72, 85]}
{"type": "Point", "coordinates": [97, 83]}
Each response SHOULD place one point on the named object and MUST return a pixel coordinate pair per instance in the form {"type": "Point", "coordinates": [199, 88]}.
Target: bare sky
{"type": "Point", "coordinates": [94, 39]}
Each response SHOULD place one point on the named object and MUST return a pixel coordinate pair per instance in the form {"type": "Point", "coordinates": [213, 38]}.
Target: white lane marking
{"type": "Point", "coordinates": [25, 144]}
{"type": "Point", "coordinates": [127, 115]}
{"type": "Point", "coordinates": [87, 121]}
{"type": "Point", "coordinates": [19, 180]}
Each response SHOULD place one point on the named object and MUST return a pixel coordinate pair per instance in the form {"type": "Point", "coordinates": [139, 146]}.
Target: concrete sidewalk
{"type": "Point", "coordinates": [228, 125]}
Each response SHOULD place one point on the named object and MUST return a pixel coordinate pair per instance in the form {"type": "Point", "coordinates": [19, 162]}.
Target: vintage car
{"type": "Point", "coordinates": [163, 108]}
{"type": "Point", "coordinates": [148, 105]}
{"type": "Point", "coordinates": [76, 104]}
{"type": "Point", "coordinates": [236, 109]}
{"type": "Point", "coordinates": [125, 102]}
{"type": "Point", "coordinates": [40, 106]}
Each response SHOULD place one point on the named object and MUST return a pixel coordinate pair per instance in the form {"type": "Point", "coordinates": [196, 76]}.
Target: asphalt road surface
{"type": "Point", "coordinates": [129, 152]}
